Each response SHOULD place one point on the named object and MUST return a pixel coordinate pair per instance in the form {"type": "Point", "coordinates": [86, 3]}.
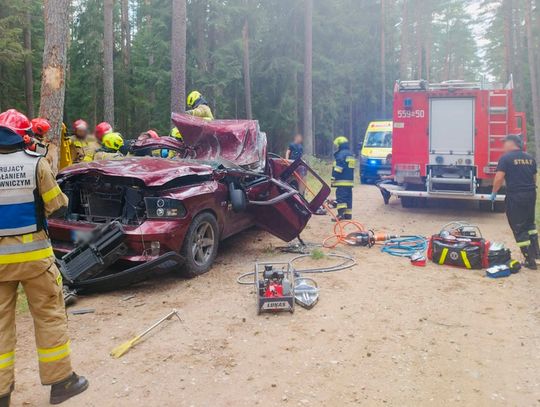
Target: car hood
{"type": "Point", "coordinates": [152, 171]}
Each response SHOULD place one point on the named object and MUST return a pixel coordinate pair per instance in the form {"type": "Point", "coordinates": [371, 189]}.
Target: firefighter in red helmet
{"type": "Point", "coordinates": [28, 195]}
{"type": "Point", "coordinates": [40, 128]}
{"type": "Point", "coordinates": [102, 129]}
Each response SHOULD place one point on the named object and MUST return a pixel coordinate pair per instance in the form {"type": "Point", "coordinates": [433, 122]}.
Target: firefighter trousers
{"type": "Point", "coordinates": [520, 211]}
{"type": "Point", "coordinates": [344, 202]}
{"type": "Point", "coordinates": [46, 304]}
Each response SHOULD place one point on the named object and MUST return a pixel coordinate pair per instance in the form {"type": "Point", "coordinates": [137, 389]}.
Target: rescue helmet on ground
{"type": "Point", "coordinates": [40, 126]}
{"type": "Point", "coordinates": [102, 129]}
{"type": "Point", "coordinates": [176, 133]}
{"type": "Point", "coordinates": [152, 134]}
{"type": "Point", "coordinates": [80, 124]}
{"type": "Point", "coordinates": [338, 141]}
{"type": "Point", "coordinates": [15, 121]}
{"type": "Point", "coordinates": [113, 141]}
{"type": "Point", "coordinates": [192, 98]}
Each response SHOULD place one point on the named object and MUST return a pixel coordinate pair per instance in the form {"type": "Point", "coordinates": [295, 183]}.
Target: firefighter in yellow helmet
{"type": "Point", "coordinates": [112, 147]}
{"type": "Point", "coordinates": [28, 195]}
{"type": "Point", "coordinates": [198, 106]}
{"type": "Point", "coordinates": [343, 177]}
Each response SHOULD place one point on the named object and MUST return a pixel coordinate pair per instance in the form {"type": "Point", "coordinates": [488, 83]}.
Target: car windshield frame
{"type": "Point", "coordinates": [386, 139]}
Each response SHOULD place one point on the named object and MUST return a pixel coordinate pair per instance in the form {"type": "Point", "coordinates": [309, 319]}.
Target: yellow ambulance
{"type": "Point", "coordinates": [376, 151]}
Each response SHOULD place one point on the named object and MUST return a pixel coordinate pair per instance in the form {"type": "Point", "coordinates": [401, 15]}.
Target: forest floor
{"type": "Point", "coordinates": [383, 333]}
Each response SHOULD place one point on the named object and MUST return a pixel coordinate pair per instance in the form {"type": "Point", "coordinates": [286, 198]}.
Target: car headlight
{"type": "Point", "coordinates": [164, 208]}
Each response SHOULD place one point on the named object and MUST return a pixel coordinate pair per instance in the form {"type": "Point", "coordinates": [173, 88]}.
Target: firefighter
{"type": "Point", "coordinates": [29, 194]}
{"type": "Point", "coordinates": [176, 134]}
{"type": "Point", "coordinates": [80, 147]}
{"type": "Point", "coordinates": [518, 169]}
{"type": "Point", "coordinates": [40, 128]}
{"type": "Point", "coordinates": [198, 106]}
{"type": "Point", "coordinates": [343, 177]}
{"type": "Point", "coordinates": [112, 147]}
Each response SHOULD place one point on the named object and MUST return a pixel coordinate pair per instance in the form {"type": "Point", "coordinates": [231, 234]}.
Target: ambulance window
{"type": "Point", "coordinates": [379, 139]}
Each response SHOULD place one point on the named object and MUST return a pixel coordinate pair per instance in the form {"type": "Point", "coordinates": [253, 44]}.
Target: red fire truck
{"type": "Point", "coordinates": [447, 139]}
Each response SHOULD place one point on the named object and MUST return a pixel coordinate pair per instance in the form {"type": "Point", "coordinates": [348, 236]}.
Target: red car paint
{"type": "Point", "coordinates": [201, 184]}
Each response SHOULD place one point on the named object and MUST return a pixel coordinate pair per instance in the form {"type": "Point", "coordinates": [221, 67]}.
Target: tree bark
{"type": "Point", "coordinates": [247, 76]}
{"type": "Point", "coordinates": [508, 39]}
{"type": "Point", "coordinates": [53, 85]}
{"type": "Point", "coordinates": [28, 74]}
{"type": "Point", "coordinates": [534, 80]}
{"type": "Point", "coordinates": [126, 34]}
{"type": "Point", "coordinates": [308, 80]}
{"type": "Point", "coordinates": [383, 60]}
{"type": "Point", "coordinates": [403, 53]}
{"type": "Point", "coordinates": [108, 67]}
{"type": "Point", "coordinates": [178, 56]}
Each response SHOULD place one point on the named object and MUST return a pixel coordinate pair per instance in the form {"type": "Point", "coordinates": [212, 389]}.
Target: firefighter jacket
{"type": "Point", "coordinates": [343, 169]}
{"type": "Point", "coordinates": [202, 111]}
{"type": "Point", "coordinates": [81, 150]}
{"type": "Point", "coordinates": [28, 194]}
{"type": "Point", "coordinates": [106, 154]}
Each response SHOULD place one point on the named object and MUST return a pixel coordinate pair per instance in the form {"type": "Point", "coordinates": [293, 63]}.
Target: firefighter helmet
{"type": "Point", "coordinates": [40, 126]}
{"type": "Point", "coordinates": [102, 129]}
{"type": "Point", "coordinates": [338, 141]}
{"type": "Point", "coordinates": [80, 124]}
{"type": "Point", "coordinates": [176, 133]}
{"type": "Point", "coordinates": [15, 121]}
{"type": "Point", "coordinates": [192, 98]}
{"type": "Point", "coordinates": [113, 141]}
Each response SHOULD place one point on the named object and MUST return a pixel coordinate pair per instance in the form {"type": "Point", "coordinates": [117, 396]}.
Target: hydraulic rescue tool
{"type": "Point", "coordinates": [274, 284]}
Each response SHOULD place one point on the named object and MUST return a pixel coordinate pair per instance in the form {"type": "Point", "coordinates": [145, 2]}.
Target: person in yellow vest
{"type": "Point", "coordinates": [198, 106]}
{"type": "Point", "coordinates": [81, 148]}
{"type": "Point", "coordinates": [112, 147]}
{"type": "Point", "coordinates": [28, 195]}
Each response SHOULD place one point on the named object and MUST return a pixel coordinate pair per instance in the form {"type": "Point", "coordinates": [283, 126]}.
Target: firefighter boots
{"type": "Point", "coordinates": [529, 254]}
{"type": "Point", "coordinates": [4, 400]}
{"type": "Point", "coordinates": [535, 246]}
{"type": "Point", "coordinates": [68, 388]}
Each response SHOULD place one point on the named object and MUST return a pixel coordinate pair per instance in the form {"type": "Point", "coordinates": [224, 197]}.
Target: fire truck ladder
{"type": "Point", "coordinates": [497, 125]}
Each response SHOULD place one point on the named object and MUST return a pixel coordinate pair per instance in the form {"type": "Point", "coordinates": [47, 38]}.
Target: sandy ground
{"type": "Point", "coordinates": [383, 333]}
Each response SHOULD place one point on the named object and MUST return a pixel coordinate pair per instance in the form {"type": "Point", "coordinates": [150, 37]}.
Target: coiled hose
{"type": "Point", "coordinates": [405, 246]}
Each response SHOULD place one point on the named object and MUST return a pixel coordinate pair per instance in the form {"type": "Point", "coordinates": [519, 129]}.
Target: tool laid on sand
{"type": "Point", "coordinates": [274, 284]}
{"type": "Point", "coordinates": [120, 350]}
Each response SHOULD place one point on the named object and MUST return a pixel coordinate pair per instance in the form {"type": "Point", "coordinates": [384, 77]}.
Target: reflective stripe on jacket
{"type": "Point", "coordinates": [343, 168]}
{"type": "Point", "coordinates": [18, 187]}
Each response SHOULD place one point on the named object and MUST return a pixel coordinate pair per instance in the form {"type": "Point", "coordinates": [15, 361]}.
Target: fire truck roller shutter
{"type": "Point", "coordinates": [451, 131]}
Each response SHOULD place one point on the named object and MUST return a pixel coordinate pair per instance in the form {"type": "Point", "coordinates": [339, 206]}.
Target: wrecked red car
{"type": "Point", "coordinates": [174, 211]}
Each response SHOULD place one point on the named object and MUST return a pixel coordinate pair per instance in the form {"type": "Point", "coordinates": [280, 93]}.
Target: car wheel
{"type": "Point", "coordinates": [200, 244]}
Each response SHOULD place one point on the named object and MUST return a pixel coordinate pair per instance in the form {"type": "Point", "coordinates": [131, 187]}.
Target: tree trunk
{"type": "Point", "coordinates": [247, 76]}
{"type": "Point", "coordinates": [53, 85]}
{"type": "Point", "coordinates": [383, 60]}
{"type": "Point", "coordinates": [308, 80]}
{"type": "Point", "coordinates": [534, 80]}
{"type": "Point", "coordinates": [108, 67]}
{"type": "Point", "coordinates": [126, 34]}
{"type": "Point", "coordinates": [126, 56]}
{"type": "Point", "coordinates": [178, 56]}
{"type": "Point", "coordinates": [403, 53]}
{"type": "Point", "coordinates": [28, 75]}
{"type": "Point", "coordinates": [508, 39]}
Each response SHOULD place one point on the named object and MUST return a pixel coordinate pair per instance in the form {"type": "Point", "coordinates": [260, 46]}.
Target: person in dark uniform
{"type": "Point", "coordinates": [343, 177]}
{"type": "Point", "coordinates": [295, 149]}
{"type": "Point", "coordinates": [518, 170]}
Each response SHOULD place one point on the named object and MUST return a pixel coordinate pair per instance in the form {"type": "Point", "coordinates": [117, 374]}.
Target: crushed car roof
{"type": "Point", "coordinates": [152, 171]}
{"type": "Point", "coordinates": [238, 141]}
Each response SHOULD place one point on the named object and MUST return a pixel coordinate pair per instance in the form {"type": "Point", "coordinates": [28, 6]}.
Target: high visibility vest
{"type": "Point", "coordinates": [20, 206]}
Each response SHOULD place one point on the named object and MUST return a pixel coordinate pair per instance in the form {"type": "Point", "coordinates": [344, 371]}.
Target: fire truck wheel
{"type": "Point", "coordinates": [409, 202]}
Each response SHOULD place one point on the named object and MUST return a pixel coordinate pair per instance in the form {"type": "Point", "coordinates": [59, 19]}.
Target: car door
{"type": "Point", "coordinates": [283, 203]}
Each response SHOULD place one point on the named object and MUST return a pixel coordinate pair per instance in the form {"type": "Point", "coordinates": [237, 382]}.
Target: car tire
{"type": "Point", "coordinates": [200, 245]}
